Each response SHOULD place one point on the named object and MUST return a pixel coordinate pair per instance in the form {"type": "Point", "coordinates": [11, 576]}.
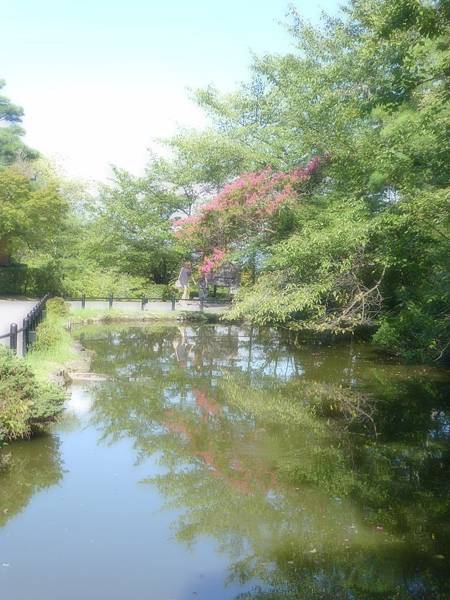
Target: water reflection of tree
{"type": "Point", "coordinates": [30, 468]}
{"type": "Point", "coordinates": [297, 495]}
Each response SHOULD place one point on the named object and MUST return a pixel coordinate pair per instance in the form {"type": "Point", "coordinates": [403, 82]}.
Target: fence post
{"type": "Point", "coordinates": [201, 304]}
{"type": "Point", "coordinates": [143, 302]}
{"type": "Point", "coordinates": [110, 300]}
{"type": "Point", "coordinates": [83, 301]}
{"type": "Point", "coordinates": [13, 337]}
{"type": "Point", "coordinates": [32, 321]}
{"type": "Point", "coordinates": [25, 336]}
{"type": "Point", "coordinates": [173, 303]}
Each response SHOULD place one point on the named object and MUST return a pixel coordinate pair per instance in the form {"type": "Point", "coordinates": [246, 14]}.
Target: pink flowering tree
{"type": "Point", "coordinates": [212, 261]}
{"type": "Point", "coordinates": [245, 209]}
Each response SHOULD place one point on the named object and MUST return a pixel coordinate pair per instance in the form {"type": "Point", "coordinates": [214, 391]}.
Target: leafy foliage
{"type": "Point", "coordinates": [246, 208]}
{"type": "Point", "coordinates": [11, 145]}
{"type": "Point", "coordinates": [57, 306]}
{"type": "Point", "coordinates": [32, 212]}
{"type": "Point", "coordinates": [131, 229]}
{"type": "Point", "coordinates": [367, 243]}
{"type": "Point", "coordinates": [25, 404]}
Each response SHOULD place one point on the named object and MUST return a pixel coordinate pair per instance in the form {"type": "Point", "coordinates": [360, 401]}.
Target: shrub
{"type": "Point", "coordinates": [170, 291]}
{"type": "Point", "coordinates": [31, 279]}
{"type": "Point", "coordinates": [48, 334]}
{"type": "Point", "coordinates": [25, 404]}
{"type": "Point", "coordinates": [102, 282]}
{"type": "Point", "coordinates": [414, 335]}
{"type": "Point", "coordinates": [57, 306]}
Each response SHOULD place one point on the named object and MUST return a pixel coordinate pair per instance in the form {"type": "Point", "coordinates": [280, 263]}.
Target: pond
{"type": "Point", "coordinates": [221, 462]}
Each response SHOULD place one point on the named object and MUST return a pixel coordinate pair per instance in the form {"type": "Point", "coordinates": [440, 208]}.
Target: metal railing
{"type": "Point", "coordinates": [37, 314]}
{"type": "Point", "coordinates": [28, 329]}
{"type": "Point", "coordinates": [144, 300]}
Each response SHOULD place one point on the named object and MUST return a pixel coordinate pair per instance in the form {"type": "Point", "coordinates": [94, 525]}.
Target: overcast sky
{"type": "Point", "coordinates": [100, 79]}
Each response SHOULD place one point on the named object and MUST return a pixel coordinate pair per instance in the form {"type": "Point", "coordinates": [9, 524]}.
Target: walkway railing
{"type": "Point", "coordinates": [37, 314]}
{"type": "Point", "coordinates": [144, 300]}
{"type": "Point", "coordinates": [28, 329]}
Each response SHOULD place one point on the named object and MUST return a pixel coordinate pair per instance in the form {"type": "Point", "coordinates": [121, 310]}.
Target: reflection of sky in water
{"type": "Point", "coordinates": [80, 401]}
{"type": "Point", "coordinates": [244, 352]}
{"type": "Point", "coordinates": [442, 429]}
{"type": "Point", "coordinates": [172, 397]}
{"type": "Point", "coordinates": [281, 367]}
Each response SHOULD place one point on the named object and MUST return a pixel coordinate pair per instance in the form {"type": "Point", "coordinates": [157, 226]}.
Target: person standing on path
{"type": "Point", "coordinates": [183, 279]}
{"type": "Point", "coordinates": [202, 287]}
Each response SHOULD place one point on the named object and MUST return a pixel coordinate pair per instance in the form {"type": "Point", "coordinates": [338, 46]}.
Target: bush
{"type": "Point", "coordinates": [414, 335]}
{"type": "Point", "coordinates": [40, 277]}
{"type": "Point", "coordinates": [222, 293]}
{"type": "Point", "coordinates": [99, 283]}
{"type": "Point", "coordinates": [57, 306]}
{"type": "Point", "coordinates": [31, 280]}
{"type": "Point", "coordinates": [25, 404]}
{"type": "Point", "coordinates": [170, 291]}
{"type": "Point", "coordinates": [48, 334]}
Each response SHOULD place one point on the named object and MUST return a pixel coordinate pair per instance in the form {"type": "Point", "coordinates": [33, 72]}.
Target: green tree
{"type": "Point", "coordinates": [369, 89]}
{"type": "Point", "coordinates": [131, 229]}
{"type": "Point", "coordinates": [11, 144]}
{"type": "Point", "coordinates": [32, 213]}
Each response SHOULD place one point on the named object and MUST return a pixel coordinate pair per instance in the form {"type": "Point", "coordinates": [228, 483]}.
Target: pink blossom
{"type": "Point", "coordinates": [212, 262]}
{"type": "Point", "coordinates": [245, 204]}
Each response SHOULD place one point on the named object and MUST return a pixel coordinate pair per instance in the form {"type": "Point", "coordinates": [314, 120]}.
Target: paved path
{"type": "Point", "coordinates": [13, 311]}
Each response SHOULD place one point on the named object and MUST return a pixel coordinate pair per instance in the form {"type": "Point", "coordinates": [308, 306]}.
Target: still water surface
{"type": "Point", "coordinates": [220, 462]}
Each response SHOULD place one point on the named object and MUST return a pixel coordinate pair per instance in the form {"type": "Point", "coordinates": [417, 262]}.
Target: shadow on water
{"type": "Point", "coordinates": [27, 471]}
{"type": "Point", "coordinates": [319, 472]}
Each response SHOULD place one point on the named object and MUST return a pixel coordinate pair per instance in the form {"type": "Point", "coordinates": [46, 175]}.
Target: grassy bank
{"type": "Point", "coordinates": [54, 348]}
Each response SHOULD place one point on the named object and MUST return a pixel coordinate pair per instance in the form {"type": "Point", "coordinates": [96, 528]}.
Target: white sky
{"type": "Point", "coordinates": [100, 79]}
